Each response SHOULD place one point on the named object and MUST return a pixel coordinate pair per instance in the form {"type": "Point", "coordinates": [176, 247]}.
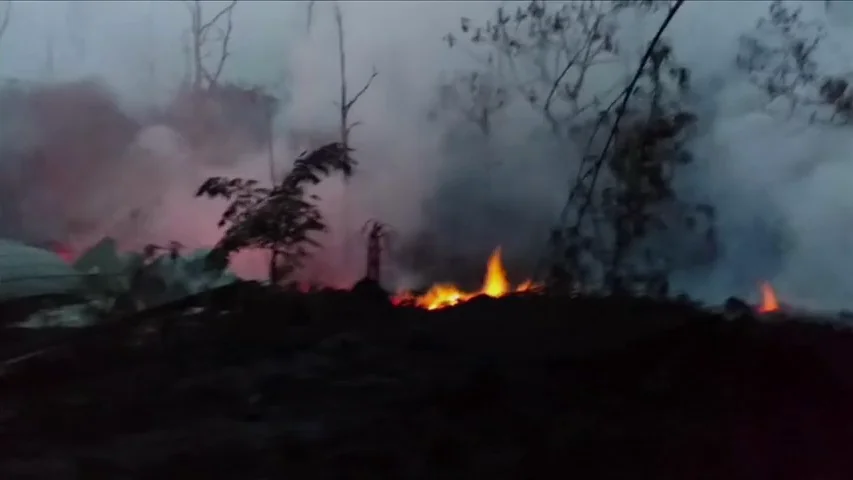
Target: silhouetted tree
{"type": "Point", "coordinates": [280, 219]}
{"type": "Point", "coordinates": [623, 212]}
{"type": "Point", "coordinates": [378, 239]}
{"type": "Point", "coordinates": [622, 205]}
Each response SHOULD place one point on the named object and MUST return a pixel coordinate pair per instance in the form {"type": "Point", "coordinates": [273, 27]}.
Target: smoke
{"type": "Point", "coordinates": [779, 184]}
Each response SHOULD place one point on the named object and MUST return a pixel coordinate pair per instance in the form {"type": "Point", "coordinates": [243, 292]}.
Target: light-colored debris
{"type": "Point", "coordinates": [105, 276]}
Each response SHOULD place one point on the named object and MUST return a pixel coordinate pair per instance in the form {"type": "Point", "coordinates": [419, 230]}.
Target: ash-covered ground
{"type": "Point", "coordinates": [261, 384]}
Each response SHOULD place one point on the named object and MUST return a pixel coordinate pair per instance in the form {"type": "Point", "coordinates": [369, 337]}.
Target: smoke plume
{"type": "Point", "coordinates": [103, 152]}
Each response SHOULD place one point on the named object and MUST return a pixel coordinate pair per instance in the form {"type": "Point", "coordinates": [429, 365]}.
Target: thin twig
{"type": "Point", "coordinates": [346, 105]}
{"type": "Point", "coordinates": [363, 89]}
{"type": "Point", "coordinates": [626, 96]}
{"type": "Point", "coordinates": [586, 48]}
{"type": "Point", "coordinates": [200, 33]}
{"type": "Point", "coordinates": [226, 39]}
{"type": "Point", "coordinates": [342, 60]}
{"type": "Point", "coordinates": [225, 11]}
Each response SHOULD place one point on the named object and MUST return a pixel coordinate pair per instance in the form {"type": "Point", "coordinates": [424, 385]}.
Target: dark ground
{"type": "Point", "coordinates": [332, 386]}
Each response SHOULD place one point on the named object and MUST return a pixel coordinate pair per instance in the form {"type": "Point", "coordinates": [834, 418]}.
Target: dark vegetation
{"type": "Point", "coordinates": [253, 381]}
{"type": "Point", "coordinates": [623, 204]}
{"type": "Point", "coordinates": [262, 384]}
{"type": "Point", "coordinates": [280, 219]}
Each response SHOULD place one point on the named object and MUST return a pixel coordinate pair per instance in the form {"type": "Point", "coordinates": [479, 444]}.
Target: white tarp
{"type": "Point", "coordinates": [27, 271]}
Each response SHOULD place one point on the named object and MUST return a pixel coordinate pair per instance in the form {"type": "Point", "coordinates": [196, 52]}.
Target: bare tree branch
{"type": "Point", "coordinates": [620, 112]}
{"type": "Point", "coordinates": [346, 103]}
{"type": "Point", "coordinates": [226, 39]}
{"type": "Point", "coordinates": [589, 53]}
{"type": "Point", "coordinates": [363, 89]}
{"type": "Point", "coordinates": [559, 80]}
{"type": "Point", "coordinates": [4, 22]}
{"type": "Point", "coordinates": [589, 169]}
{"type": "Point", "coordinates": [200, 36]}
{"type": "Point", "coordinates": [225, 11]}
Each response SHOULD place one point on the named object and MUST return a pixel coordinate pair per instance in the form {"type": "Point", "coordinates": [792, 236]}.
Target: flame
{"type": "Point", "coordinates": [441, 295]}
{"type": "Point", "coordinates": [769, 302]}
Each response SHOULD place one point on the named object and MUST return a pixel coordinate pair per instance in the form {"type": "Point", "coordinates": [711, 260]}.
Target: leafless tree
{"type": "Point", "coordinates": [205, 33]}
{"type": "Point", "coordinates": [346, 103]}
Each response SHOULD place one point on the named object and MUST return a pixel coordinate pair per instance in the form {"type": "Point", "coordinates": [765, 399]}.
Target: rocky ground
{"type": "Point", "coordinates": [262, 385]}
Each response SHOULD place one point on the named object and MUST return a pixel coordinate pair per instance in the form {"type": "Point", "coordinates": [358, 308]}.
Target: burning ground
{"type": "Point", "coordinates": [442, 295]}
{"type": "Point", "coordinates": [251, 382]}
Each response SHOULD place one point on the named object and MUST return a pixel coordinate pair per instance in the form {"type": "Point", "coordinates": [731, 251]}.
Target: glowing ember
{"type": "Point", "coordinates": [769, 302]}
{"type": "Point", "coordinates": [441, 295]}
{"type": "Point", "coordinates": [63, 252]}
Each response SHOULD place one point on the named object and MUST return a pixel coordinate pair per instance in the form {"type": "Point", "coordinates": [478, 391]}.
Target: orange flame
{"type": "Point", "coordinates": [769, 302]}
{"type": "Point", "coordinates": [441, 295]}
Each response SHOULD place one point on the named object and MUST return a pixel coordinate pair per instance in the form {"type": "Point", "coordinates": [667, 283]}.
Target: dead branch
{"type": "Point", "coordinates": [589, 52]}
{"type": "Point", "coordinates": [346, 103]}
{"type": "Point", "coordinates": [594, 172]}
{"type": "Point", "coordinates": [226, 39]}
{"type": "Point", "coordinates": [363, 89]}
{"type": "Point", "coordinates": [556, 84]}
{"type": "Point", "coordinates": [225, 11]}
{"type": "Point", "coordinates": [200, 37]}
{"type": "Point", "coordinates": [4, 22]}
{"type": "Point", "coordinates": [587, 175]}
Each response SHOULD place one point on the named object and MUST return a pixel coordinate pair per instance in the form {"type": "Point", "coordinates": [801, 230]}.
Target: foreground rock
{"type": "Point", "coordinates": [330, 386]}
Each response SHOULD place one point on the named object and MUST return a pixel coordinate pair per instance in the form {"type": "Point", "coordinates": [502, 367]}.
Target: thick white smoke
{"type": "Point", "coordinates": [779, 184]}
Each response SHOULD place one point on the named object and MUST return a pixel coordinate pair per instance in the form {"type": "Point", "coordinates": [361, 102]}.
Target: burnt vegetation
{"type": "Point", "coordinates": [281, 219]}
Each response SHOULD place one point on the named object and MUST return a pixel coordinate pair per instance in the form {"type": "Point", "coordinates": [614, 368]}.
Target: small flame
{"type": "Point", "coordinates": [495, 284]}
{"type": "Point", "coordinates": [769, 302]}
{"type": "Point", "coordinates": [441, 295]}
